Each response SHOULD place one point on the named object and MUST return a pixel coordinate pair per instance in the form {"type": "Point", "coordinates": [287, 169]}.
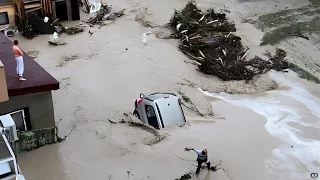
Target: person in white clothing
{"type": "Point", "coordinates": [18, 54]}
{"type": "Point", "coordinates": [203, 157]}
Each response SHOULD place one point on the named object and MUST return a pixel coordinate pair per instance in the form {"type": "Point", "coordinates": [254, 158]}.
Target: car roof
{"type": "Point", "coordinates": [155, 96]}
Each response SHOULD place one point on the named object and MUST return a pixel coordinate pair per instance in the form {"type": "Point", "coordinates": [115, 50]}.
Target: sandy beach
{"type": "Point", "coordinates": [257, 134]}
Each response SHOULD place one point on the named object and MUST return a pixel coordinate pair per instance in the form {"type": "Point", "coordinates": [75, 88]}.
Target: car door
{"type": "Point", "coordinates": [152, 117]}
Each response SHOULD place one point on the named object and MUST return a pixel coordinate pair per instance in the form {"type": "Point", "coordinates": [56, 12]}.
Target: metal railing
{"type": "Point", "coordinates": [17, 171]}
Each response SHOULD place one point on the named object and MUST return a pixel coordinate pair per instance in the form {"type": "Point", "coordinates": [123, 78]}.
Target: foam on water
{"type": "Point", "coordinates": [298, 156]}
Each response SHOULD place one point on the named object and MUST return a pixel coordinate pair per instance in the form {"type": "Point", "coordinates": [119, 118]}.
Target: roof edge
{"type": "Point", "coordinates": [33, 90]}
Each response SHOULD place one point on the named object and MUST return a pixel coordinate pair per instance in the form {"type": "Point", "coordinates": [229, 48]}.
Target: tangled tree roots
{"type": "Point", "coordinates": [207, 38]}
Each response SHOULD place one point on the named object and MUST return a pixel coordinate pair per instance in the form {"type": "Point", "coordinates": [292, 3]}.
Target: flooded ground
{"type": "Point", "coordinates": [102, 74]}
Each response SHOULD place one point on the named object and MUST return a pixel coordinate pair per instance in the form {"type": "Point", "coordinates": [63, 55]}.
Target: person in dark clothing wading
{"type": "Point", "coordinates": [203, 157]}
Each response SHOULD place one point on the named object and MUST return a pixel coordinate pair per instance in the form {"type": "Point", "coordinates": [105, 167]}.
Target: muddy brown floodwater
{"type": "Point", "coordinates": [103, 73]}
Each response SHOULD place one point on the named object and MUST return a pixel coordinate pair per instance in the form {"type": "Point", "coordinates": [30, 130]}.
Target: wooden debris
{"type": "Point", "coordinates": [73, 30]}
{"type": "Point", "coordinates": [56, 43]}
{"type": "Point", "coordinates": [104, 14]}
{"type": "Point", "coordinates": [87, 5]}
{"type": "Point", "coordinates": [148, 128]}
{"type": "Point", "coordinates": [99, 17]}
{"type": "Point", "coordinates": [207, 38]}
{"type": "Point", "coordinates": [184, 177]}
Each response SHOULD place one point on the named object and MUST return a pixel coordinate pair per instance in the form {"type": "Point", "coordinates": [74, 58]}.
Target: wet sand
{"type": "Point", "coordinates": [100, 81]}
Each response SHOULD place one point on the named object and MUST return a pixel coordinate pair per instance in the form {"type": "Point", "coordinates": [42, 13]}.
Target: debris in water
{"type": "Point", "coordinates": [33, 54]}
{"type": "Point", "coordinates": [131, 122]}
{"type": "Point", "coordinates": [141, 17]}
{"type": "Point", "coordinates": [189, 104]}
{"type": "Point", "coordinates": [70, 57]}
{"type": "Point", "coordinates": [86, 5]}
{"type": "Point", "coordinates": [59, 28]}
{"type": "Point", "coordinates": [73, 30]}
{"type": "Point", "coordinates": [56, 43]}
{"type": "Point", "coordinates": [54, 40]}
{"type": "Point", "coordinates": [207, 38]}
{"type": "Point", "coordinates": [112, 122]}
{"type": "Point", "coordinates": [104, 14]}
{"type": "Point", "coordinates": [10, 33]}
{"type": "Point", "coordinates": [144, 37]}
{"type": "Point", "coordinates": [184, 177]}
{"type": "Point", "coordinates": [186, 98]}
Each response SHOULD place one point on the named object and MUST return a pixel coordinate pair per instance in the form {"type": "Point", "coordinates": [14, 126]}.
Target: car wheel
{"type": "Point", "coordinates": [136, 114]}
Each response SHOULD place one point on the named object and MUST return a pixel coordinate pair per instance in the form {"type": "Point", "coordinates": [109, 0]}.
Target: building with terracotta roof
{"type": "Point", "coordinates": [29, 102]}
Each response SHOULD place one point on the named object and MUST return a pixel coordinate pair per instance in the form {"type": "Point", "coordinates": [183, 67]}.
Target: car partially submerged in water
{"type": "Point", "coordinates": [159, 110]}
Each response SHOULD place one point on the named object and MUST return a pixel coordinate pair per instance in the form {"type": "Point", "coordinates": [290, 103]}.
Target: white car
{"type": "Point", "coordinates": [159, 110]}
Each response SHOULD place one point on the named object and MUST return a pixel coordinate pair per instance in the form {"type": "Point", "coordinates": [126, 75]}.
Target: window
{"type": "Point", "coordinates": [150, 111]}
{"type": "Point", "coordinates": [152, 118]}
{"type": "Point", "coordinates": [4, 19]}
{"type": "Point", "coordinates": [19, 119]}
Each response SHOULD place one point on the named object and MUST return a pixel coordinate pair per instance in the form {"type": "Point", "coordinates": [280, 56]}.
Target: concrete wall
{"type": "Point", "coordinates": [3, 85]}
{"type": "Point", "coordinates": [68, 7]}
{"type": "Point", "coordinates": [10, 10]}
{"type": "Point", "coordinates": [40, 108]}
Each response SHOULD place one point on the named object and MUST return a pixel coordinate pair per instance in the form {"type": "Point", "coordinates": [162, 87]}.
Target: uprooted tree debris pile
{"type": "Point", "coordinates": [207, 38]}
{"type": "Point", "coordinates": [105, 13]}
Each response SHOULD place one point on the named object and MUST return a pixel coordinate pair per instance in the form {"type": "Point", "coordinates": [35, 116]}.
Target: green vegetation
{"type": "Point", "coordinates": [315, 2]}
{"type": "Point", "coordinates": [272, 17]}
{"type": "Point", "coordinates": [286, 32]}
{"type": "Point", "coordinates": [290, 22]}
{"type": "Point", "coordinates": [275, 20]}
{"type": "Point", "coordinates": [285, 24]}
{"type": "Point", "coordinates": [33, 139]}
{"type": "Point", "coordinates": [304, 74]}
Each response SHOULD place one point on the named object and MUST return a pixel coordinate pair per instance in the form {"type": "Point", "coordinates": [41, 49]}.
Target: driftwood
{"type": "Point", "coordinates": [99, 17]}
{"type": "Point", "coordinates": [148, 128]}
{"type": "Point", "coordinates": [207, 38]}
{"type": "Point", "coordinates": [104, 14]}
{"type": "Point", "coordinates": [73, 30]}
{"type": "Point", "coordinates": [59, 28]}
{"type": "Point", "coordinates": [87, 6]}
{"type": "Point", "coordinates": [56, 43]}
{"type": "Point", "coordinates": [184, 177]}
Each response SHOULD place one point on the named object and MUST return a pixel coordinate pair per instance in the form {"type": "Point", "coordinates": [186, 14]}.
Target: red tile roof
{"type": "Point", "coordinates": [38, 79]}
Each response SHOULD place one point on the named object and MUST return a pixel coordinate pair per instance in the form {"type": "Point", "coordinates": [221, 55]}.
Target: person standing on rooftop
{"type": "Point", "coordinates": [18, 54]}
